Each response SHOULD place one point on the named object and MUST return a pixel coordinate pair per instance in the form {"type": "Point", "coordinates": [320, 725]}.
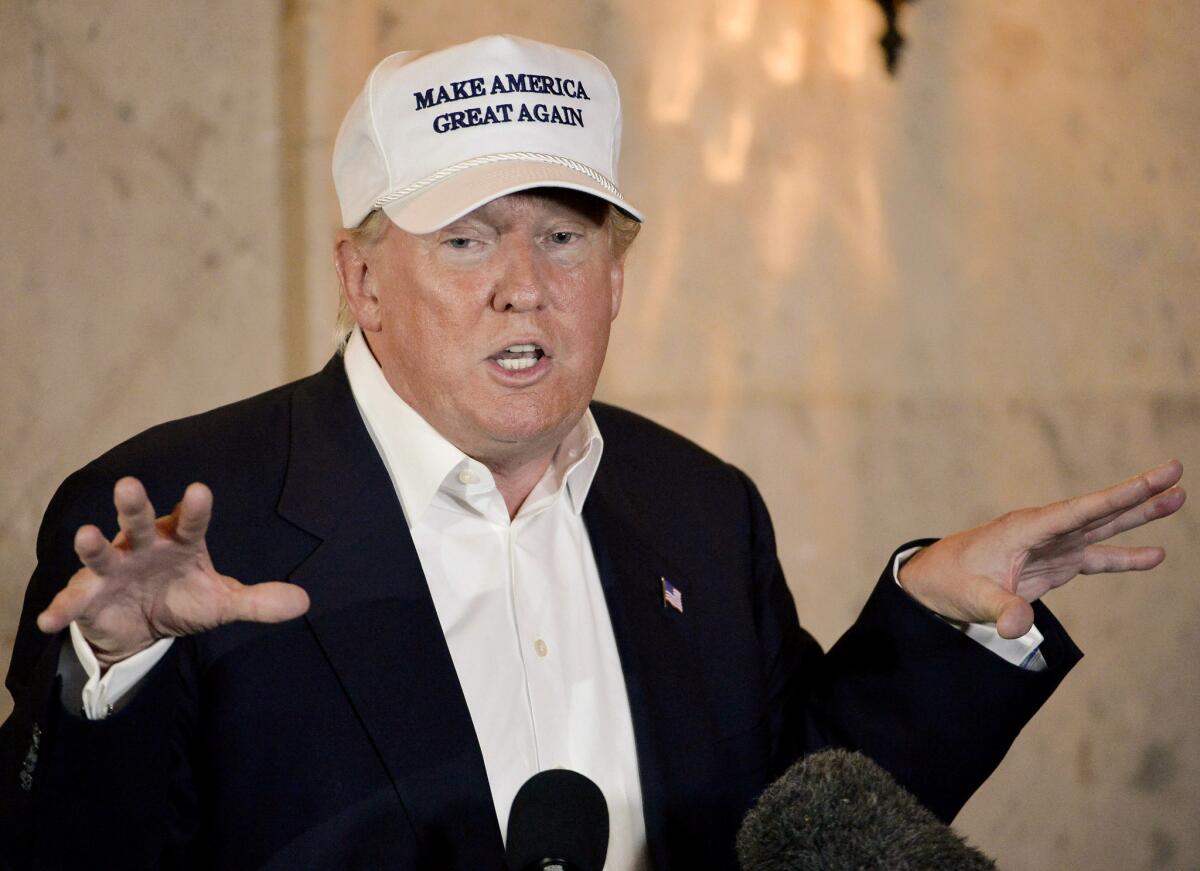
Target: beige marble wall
{"type": "Point", "coordinates": [903, 306]}
{"type": "Point", "coordinates": [140, 241]}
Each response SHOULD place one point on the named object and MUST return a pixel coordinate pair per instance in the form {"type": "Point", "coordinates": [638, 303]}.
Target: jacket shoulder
{"type": "Point", "coordinates": [641, 441]}
{"type": "Point", "coordinates": [249, 435]}
{"type": "Point", "coordinates": [664, 466]}
{"type": "Point", "coordinates": [239, 450]}
{"type": "Point", "coordinates": [222, 427]}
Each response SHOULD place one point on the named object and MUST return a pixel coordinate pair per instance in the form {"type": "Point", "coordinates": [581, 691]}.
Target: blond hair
{"type": "Point", "coordinates": [622, 230]}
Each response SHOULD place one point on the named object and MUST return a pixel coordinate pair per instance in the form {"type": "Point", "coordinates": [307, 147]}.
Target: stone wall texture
{"type": "Point", "coordinates": [902, 305]}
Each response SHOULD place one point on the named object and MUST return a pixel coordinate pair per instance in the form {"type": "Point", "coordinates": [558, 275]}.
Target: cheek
{"type": "Point", "coordinates": [430, 319]}
{"type": "Point", "coordinates": [584, 293]}
{"type": "Point", "coordinates": [593, 313]}
{"type": "Point", "coordinates": [590, 327]}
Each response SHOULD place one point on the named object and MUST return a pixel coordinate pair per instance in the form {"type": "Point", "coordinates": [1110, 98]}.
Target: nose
{"type": "Point", "coordinates": [521, 283]}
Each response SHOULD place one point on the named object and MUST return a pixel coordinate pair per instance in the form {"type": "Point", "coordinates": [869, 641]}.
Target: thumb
{"type": "Point", "coordinates": [981, 600]}
{"type": "Point", "coordinates": [1012, 615]}
{"type": "Point", "coordinates": [269, 602]}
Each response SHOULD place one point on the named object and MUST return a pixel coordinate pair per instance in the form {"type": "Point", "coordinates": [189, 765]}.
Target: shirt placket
{"type": "Point", "coordinates": [522, 620]}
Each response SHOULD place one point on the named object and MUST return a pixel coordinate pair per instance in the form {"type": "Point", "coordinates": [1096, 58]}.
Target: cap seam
{"type": "Point", "coordinates": [615, 125]}
{"type": "Point", "coordinates": [378, 143]}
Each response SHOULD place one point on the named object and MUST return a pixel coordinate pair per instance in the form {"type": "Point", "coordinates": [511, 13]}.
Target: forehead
{"type": "Point", "coordinates": [541, 203]}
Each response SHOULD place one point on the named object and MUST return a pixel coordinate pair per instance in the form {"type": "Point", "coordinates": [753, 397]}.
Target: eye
{"type": "Point", "coordinates": [459, 243]}
{"type": "Point", "coordinates": [563, 237]}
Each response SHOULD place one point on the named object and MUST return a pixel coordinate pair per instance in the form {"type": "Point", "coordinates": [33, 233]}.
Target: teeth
{"type": "Point", "coordinates": [517, 362]}
{"type": "Point", "coordinates": [521, 349]}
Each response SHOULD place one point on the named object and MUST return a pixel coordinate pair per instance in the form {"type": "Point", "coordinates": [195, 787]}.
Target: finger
{"type": "Point", "coordinates": [71, 602]}
{"type": "Point", "coordinates": [135, 514]}
{"type": "Point", "coordinates": [193, 513]}
{"type": "Point", "coordinates": [269, 602]}
{"type": "Point", "coordinates": [94, 550]}
{"type": "Point", "coordinates": [1083, 511]}
{"type": "Point", "coordinates": [1096, 524]}
{"type": "Point", "coordinates": [1101, 558]}
{"type": "Point", "coordinates": [1162, 505]}
{"type": "Point", "coordinates": [1107, 518]}
{"type": "Point", "coordinates": [1164, 475]}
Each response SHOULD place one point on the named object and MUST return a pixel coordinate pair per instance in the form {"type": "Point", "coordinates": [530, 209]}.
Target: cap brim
{"type": "Point", "coordinates": [466, 190]}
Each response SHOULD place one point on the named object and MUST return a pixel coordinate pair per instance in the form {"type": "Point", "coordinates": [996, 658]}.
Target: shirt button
{"type": "Point", "coordinates": [468, 477]}
{"type": "Point", "coordinates": [540, 647]}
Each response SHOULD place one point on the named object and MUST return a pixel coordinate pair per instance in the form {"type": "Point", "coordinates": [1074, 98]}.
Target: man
{"type": "Point", "coordinates": [495, 575]}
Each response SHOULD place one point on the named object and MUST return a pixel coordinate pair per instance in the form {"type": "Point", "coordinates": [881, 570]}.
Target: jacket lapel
{"type": "Point", "coordinates": [376, 623]}
{"type": "Point", "coordinates": [666, 698]}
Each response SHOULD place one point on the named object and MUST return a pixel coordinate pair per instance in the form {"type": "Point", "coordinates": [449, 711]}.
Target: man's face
{"type": "Point", "coordinates": [495, 328]}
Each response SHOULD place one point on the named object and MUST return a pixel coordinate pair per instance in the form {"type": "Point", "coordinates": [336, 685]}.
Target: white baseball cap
{"type": "Point", "coordinates": [434, 135]}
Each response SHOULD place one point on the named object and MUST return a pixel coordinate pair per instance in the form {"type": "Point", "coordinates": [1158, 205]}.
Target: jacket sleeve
{"type": "Point", "coordinates": [918, 696]}
{"type": "Point", "coordinates": [68, 784]}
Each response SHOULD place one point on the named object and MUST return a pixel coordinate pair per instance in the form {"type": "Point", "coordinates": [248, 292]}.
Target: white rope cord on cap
{"type": "Point", "coordinates": [496, 158]}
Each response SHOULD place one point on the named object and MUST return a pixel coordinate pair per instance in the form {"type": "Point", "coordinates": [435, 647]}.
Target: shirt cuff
{"type": "Point", "coordinates": [1024, 652]}
{"type": "Point", "coordinates": [102, 692]}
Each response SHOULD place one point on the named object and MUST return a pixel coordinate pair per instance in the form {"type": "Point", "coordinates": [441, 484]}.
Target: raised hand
{"type": "Point", "coordinates": [155, 579]}
{"type": "Point", "coordinates": [991, 573]}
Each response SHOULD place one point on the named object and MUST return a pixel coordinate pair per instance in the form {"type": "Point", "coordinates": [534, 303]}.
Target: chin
{"type": "Point", "coordinates": [530, 432]}
{"type": "Point", "coordinates": [529, 422]}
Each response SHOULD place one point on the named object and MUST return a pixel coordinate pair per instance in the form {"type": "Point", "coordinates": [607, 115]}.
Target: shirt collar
{"type": "Point", "coordinates": [576, 460]}
{"type": "Point", "coordinates": [421, 461]}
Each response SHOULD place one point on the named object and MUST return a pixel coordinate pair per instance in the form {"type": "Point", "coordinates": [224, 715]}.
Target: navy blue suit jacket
{"type": "Point", "coordinates": [342, 739]}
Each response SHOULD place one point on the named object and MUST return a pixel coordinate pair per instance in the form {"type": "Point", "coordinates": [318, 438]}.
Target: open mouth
{"type": "Point", "coordinates": [517, 357]}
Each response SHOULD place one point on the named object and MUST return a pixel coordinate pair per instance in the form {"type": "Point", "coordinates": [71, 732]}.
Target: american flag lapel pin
{"type": "Point", "coordinates": [671, 595]}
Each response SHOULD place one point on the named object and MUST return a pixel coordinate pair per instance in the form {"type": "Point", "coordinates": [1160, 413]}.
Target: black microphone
{"type": "Point", "coordinates": [839, 810]}
{"type": "Point", "coordinates": [558, 822]}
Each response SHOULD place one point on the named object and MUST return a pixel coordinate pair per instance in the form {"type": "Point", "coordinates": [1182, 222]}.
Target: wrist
{"type": "Point", "coordinates": [907, 573]}
{"type": "Point", "coordinates": [909, 578]}
{"type": "Point", "coordinates": [108, 657]}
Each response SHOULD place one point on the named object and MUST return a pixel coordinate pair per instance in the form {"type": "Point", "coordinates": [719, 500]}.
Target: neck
{"type": "Point", "coordinates": [517, 481]}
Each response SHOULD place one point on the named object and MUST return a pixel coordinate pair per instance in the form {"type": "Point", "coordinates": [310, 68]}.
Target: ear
{"type": "Point", "coordinates": [616, 278]}
{"type": "Point", "coordinates": [354, 271]}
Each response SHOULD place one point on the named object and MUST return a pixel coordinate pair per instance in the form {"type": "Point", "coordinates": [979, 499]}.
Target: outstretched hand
{"type": "Point", "coordinates": [155, 579]}
{"type": "Point", "coordinates": [991, 573]}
